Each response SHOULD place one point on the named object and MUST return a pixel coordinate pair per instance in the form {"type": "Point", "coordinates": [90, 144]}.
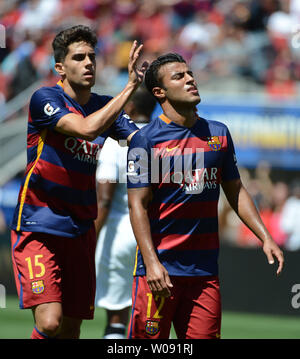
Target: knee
{"type": "Point", "coordinates": [49, 325]}
{"type": "Point", "coordinates": [48, 318]}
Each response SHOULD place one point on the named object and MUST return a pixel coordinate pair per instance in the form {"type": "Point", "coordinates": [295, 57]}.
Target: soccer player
{"type": "Point", "coordinates": [176, 165]}
{"type": "Point", "coordinates": [116, 246]}
{"type": "Point", "coordinates": [53, 234]}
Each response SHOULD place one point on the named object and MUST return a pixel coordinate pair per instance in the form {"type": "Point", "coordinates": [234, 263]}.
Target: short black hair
{"type": "Point", "coordinates": [151, 77]}
{"type": "Point", "coordinates": [68, 36]}
{"type": "Point", "coordinates": [143, 103]}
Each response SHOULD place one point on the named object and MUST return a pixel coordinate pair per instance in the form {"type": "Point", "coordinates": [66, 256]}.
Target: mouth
{"type": "Point", "coordinates": [88, 74]}
{"type": "Point", "coordinates": [193, 90]}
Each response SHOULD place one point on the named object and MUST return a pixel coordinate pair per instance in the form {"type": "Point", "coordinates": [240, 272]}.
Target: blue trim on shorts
{"type": "Point", "coordinates": [132, 311]}
{"type": "Point", "coordinates": [21, 305]}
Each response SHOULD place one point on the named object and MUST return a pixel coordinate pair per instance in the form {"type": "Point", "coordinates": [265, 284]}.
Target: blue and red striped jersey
{"type": "Point", "coordinates": [185, 167]}
{"type": "Point", "coordinates": [58, 192]}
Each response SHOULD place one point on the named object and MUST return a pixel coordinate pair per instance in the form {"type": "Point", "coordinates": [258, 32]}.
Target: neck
{"type": "Point", "coordinates": [183, 117]}
{"type": "Point", "coordinates": [79, 94]}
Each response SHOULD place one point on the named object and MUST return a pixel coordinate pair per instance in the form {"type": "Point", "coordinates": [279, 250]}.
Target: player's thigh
{"type": "Point", "coordinates": [151, 315]}
{"type": "Point", "coordinates": [79, 277]}
{"type": "Point", "coordinates": [36, 264]}
{"type": "Point", "coordinates": [199, 315]}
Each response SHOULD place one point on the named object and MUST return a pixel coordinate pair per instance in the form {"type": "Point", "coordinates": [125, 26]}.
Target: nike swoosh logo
{"type": "Point", "coordinates": [171, 149]}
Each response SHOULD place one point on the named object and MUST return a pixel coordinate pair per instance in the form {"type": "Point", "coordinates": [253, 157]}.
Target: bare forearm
{"type": "Point", "coordinates": [242, 203]}
{"type": "Point", "coordinates": [250, 216]}
{"type": "Point", "coordinates": [141, 228]}
{"type": "Point", "coordinates": [90, 127]}
{"type": "Point", "coordinates": [101, 120]}
{"type": "Point", "coordinates": [101, 219]}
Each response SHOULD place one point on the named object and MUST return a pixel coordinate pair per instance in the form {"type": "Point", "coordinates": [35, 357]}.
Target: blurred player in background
{"type": "Point", "coordinates": [116, 246]}
{"type": "Point", "coordinates": [53, 234]}
{"type": "Point", "coordinates": [176, 165]}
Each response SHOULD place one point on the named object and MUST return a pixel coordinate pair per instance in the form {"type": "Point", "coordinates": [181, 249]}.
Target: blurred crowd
{"type": "Point", "coordinates": [234, 41]}
{"type": "Point", "coordinates": [278, 202]}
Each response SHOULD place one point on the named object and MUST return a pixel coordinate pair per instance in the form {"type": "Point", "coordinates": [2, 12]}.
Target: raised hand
{"type": "Point", "coordinates": [136, 75]}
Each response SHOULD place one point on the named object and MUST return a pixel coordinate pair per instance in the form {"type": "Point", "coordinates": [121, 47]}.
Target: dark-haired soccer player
{"type": "Point", "coordinates": [176, 165]}
{"type": "Point", "coordinates": [53, 235]}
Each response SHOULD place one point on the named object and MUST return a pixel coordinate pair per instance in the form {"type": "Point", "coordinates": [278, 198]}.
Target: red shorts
{"type": "Point", "coordinates": [50, 268]}
{"type": "Point", "coordinates": [194, 307]}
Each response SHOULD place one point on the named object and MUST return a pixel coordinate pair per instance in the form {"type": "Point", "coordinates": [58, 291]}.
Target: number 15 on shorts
{"type": "Point", "coordinates": [36, 268]}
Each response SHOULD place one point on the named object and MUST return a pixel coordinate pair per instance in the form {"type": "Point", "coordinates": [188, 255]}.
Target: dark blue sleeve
{"type": "Point", "coordinates": [47, 107]}
{"type": "Point", "coordinates": [229, 168]}
{"type": "Point", "coordinates": [139, 162]}
{"type": "Point", "coordinates": [122, 127]}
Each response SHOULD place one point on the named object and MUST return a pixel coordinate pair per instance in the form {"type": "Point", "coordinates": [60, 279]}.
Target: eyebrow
{"type": "Point", "coordinates": [182, 73]}
{"type": "Point", "coordinates": [76, 54]}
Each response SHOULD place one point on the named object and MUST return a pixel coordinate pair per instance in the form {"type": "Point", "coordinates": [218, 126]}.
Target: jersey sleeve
{"type": "Point", "coordinates": [122, 127]}
{"type": "Point", "coordinates": [139, 162]}
{"type": "Point", "coordinates": [229, 168]}
{"type": "Point", "coordinates": [46, 108]}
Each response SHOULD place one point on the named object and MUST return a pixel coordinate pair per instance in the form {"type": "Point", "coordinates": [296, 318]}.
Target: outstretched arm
{"type": "Point", "coordinates": [157, 276]}
{"type": "Point", "coordinates": [243, 205]}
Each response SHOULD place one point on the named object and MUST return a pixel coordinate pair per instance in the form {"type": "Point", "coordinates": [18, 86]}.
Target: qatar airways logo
{"type": "Point", "coordinates": [196, 181]}
{"type": "Point", "coordinates": [82, 150]}
{"type": "Point", "coordinates": [185, 169]}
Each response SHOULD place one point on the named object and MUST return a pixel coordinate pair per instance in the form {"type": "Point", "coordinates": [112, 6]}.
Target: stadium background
{"type": "Point", "coordinates": [246, 59]}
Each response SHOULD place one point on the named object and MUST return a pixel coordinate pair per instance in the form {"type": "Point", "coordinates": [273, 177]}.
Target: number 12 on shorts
{"type": "Point", "coordinates": [35, 267]}
{"type": "Point", "coordinates": [157, 314]}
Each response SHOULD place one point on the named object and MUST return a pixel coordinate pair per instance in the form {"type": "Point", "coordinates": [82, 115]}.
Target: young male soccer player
{"type": "Point", "coordinates": [53, 235]}
{"type": "Point", "coordinates": [176, 165]}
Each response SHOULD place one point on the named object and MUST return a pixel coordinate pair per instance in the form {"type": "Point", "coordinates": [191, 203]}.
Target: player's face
{"type": "Point", "coordinates": [80, 65]}
{"type": "Point", "coordinates": [179, 85]}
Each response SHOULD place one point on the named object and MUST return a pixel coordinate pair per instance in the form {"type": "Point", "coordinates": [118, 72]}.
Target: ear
{"type": "Point", "coordinates": [59, 68]}
{"type": "Point", "coordinates": [159, 93]}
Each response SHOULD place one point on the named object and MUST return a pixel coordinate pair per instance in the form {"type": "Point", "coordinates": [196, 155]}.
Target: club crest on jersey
{"type": "Point", "coordinates": [152, 327]}
{"type": "Point", "coordinates": [38, 286]}
{"type": "Point", "coordinates": [214, 143]}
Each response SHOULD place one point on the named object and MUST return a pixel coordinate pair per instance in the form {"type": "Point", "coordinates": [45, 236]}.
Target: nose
{"type": "Point", "coordinates": [189, 78]}
{"type": "Point", "coordinates": [88, 62]}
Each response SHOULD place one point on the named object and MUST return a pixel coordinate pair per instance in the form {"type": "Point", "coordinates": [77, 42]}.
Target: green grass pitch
{"type": "Point", "coordinates": [18, 324]}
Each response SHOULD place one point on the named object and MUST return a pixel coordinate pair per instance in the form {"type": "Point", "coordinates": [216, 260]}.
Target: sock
{"type": "Point", "coordinates": [36, 334]}
{"type": "Point", "coordinates": [115, 331]}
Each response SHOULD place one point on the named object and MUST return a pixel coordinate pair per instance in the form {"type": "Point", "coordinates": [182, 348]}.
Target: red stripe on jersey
{"type": "Point", "coordinates": [178, 147]}
{"type": "Point", "coordinates": [63, 177]}
{"type": "Point", "coordinates": [186, 241]}
{"type": "Point", "coordinates": [33, 139]}
{"type": "Point", "coordinates": [73, 109]}
{"type": "Point", "coordinates": [36, 198]}
{"type": "Point", "coordinates": [188, 210]}
{"type": "Point", "coordinates": [29, 117]}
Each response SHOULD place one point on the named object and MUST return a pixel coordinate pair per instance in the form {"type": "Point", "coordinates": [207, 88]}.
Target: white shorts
{"type": "Point", "coordinates": [115, 256]}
